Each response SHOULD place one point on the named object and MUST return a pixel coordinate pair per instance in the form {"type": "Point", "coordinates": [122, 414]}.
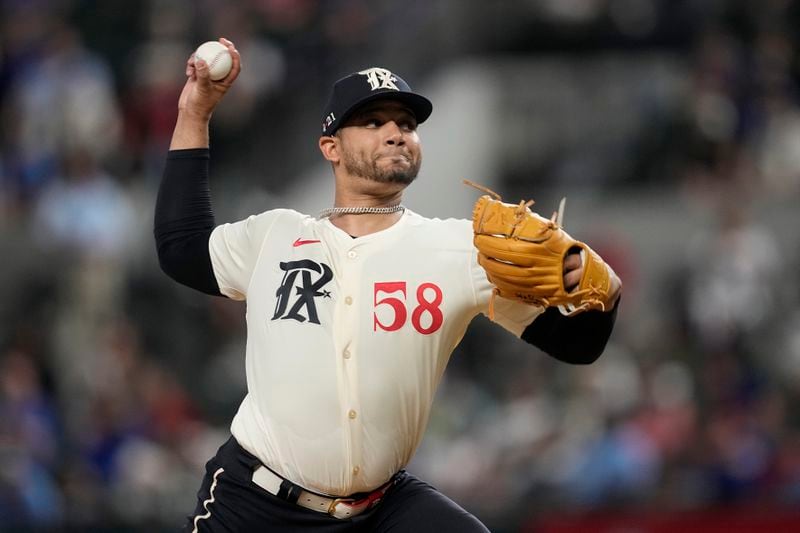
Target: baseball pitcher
{"type": "Point", "coordinates": [352, 314]}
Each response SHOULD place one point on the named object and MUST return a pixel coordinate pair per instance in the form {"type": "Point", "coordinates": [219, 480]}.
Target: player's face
{"type": "Point", "coordinates": [380, 143]}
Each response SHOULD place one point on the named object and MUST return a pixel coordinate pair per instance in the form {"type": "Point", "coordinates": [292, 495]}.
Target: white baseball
{"type": "Point", "coordinates": [217, 58]}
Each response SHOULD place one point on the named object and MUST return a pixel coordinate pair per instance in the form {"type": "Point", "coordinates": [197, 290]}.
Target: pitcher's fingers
{"type": "Point", "coordinates": [190, 66]}
{"type": "Point", "coordinates": [571, 262]}
{"type": "Point", "coordinates": [572, 278]}
{"type": "Point", "coordinates": [236, 60]}
{"type": "Point", "coordinates": [202, 74]}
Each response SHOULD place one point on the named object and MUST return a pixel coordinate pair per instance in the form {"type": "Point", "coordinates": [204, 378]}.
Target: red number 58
{"type": "Point", "coordinates": [424, 306]}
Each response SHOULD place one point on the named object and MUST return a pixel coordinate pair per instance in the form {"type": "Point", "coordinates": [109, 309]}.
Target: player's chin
{"type": "Point", "coordinates": [401, 173]}
{"type": "Point", "coordinates": [405, 178]}
{"type": "Point", "coordinates": [398, 176]}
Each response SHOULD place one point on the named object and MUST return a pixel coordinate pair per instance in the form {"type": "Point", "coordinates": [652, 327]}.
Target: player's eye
{"type": "Point", "coordinates": [373, 123]}
{"type": "Point", "coordinates": [408, 125]}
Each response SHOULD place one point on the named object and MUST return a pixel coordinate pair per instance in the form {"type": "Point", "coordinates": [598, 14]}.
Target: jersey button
{"type": "Point", "coordinates": [351, 414]}
{"type": "Point", "coordinates": [352, 254]}
{"type": "Point", "coordinates": [346, 354]}
{"type": "Point", "coordinates": [348, 300]}
{"type": "Point", "coordinates": [356, 470]}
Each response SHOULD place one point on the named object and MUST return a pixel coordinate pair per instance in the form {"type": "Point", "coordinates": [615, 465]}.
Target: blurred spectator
{"type": "Point", "coordinates": [155, 75]}
{"type": "Point", "coordinates": [777, 142]}
{"type": "Point", "coordinates": [84, 209]}
{"type": "Point", "coordinates": [29, 438]}
{"type": "Point", "coordinates": [734, 275]}
{"type": "Point", "coordinates": [265, 74]}
{"type": "Point", "coordinates": [59, 101]}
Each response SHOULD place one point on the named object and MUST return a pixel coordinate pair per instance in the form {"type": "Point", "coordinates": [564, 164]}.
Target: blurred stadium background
{"type": "Point", "coordinates": [673, 127]}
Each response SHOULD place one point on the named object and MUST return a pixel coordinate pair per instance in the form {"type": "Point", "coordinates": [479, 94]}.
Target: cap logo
{"type": "Point", "coordinates": [380, 78]}
{"type": "Point", "coordinates": [328, 121]}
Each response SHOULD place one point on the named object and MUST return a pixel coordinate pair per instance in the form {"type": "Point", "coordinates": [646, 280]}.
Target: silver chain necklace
{"type": "Point", "coordinates": [362, 210]}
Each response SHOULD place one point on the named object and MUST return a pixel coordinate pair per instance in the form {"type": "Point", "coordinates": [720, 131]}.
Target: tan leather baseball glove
{"type": "Point", "coordinates": [523, 255]}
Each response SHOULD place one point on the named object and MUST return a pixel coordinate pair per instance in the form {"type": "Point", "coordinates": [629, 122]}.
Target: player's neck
{"type": "Point", "coordinates": [362, 224]}
{"type": "Point", "coordinates": [365, 224]}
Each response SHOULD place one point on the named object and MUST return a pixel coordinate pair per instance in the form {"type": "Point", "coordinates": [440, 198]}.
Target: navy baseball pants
{"type": "Point", "coordinates": [229, 501]}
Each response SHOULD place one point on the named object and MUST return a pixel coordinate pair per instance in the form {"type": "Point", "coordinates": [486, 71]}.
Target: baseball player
{"type": "Point", "coordinates": [352, 315]}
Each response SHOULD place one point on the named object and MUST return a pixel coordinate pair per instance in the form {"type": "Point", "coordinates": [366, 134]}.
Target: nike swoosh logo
{"type": "Point", "coordinates": [301, 242]}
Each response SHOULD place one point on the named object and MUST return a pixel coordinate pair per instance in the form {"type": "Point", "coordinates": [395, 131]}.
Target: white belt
{"type": "Point", "coordinates": [337, 507]}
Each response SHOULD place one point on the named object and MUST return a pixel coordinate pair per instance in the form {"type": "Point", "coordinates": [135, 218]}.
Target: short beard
{"type": "Point", "coordinates": [363, 169]}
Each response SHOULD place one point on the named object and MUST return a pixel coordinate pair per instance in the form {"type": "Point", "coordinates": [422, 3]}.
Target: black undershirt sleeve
{"type": "Point", "coordinates": [184, 220]}
{"type": "Point", "coordinates": [579, 339]}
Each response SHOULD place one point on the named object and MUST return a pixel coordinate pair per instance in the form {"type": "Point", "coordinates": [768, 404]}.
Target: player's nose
{"type": "Point", "coordinates": [394, 133]}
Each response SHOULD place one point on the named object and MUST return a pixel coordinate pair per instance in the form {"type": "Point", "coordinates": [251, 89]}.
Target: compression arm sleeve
{"type": "Point", "coordinates": [579, 339]}
{"type": "Point", "coordinates": [184, 220]}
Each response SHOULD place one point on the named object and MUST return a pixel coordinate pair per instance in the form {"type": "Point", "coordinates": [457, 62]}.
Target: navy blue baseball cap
{"type": "Point", "coordinates": [355, 90]}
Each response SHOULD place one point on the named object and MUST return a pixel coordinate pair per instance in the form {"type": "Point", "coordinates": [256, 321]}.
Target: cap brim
{"type": "Point", "coordinates": [418, 104]}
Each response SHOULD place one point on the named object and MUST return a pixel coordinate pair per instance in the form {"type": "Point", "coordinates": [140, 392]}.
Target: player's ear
{"type": "Point", "coordinates": [329, 146]}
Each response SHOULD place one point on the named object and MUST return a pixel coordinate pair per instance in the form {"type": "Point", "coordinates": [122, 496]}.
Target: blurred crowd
{"type": "Point", "coordinates": [116, 385]}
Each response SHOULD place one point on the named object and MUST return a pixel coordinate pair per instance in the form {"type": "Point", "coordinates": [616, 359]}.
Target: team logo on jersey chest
{"type": "Point", "coordinates": [303, 281]}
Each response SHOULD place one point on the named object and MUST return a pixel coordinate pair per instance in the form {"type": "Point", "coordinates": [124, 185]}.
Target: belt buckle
{"type": "Point", "coordinates": [334, 503]}
{"type": "Point", "coordinates": [371, 500]}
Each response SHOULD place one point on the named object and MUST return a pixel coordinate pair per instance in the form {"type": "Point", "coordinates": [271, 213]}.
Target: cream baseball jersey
{"type": "Point", "coordinates": [347, 339]}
